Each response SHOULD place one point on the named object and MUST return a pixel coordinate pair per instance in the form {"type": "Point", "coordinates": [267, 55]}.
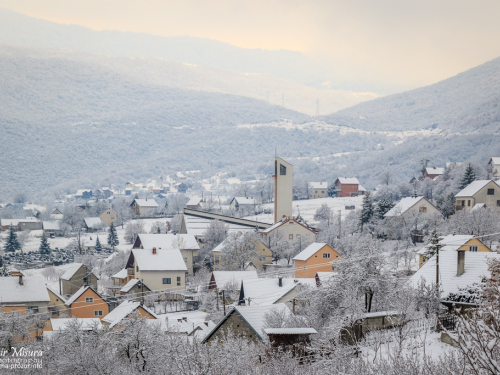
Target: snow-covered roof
{"type": "Point", "coordinates": [318, 185]}
{"type": "Point", "coordinates": [245, 200]}
{"type": "Point", "coordinates": [163, 260]}
{"type": "Point", "coordinates": [56, 294]}
{"type": "Point", "coordinates": [146, 202]}
{"type": "Point", "coordinates": [33, 289]}
{"type": "Point", "coordinates": [348, 180]}
{"type": "Point", "coordinates": [85, 324]}
{"type": "Point", "coordinates": [403, 205]}
{"type": "Point", "coordinates": [71, 270]}
{"type": "Point", "coordinates": [82, 191]}
{"type": "Point", "coordinates": [361, 188]}
{"type": "Point", "coordinates": [123, 310]}
{"type": "Point", "coordinates": [325, 276]}
{"type": "Point", "coordinates": [122, 274]}
{"type": "Point", "coordinates": [273, 227]}
{"type": "Point", "coordinates": [197, 226]}
{"type": "Point", "coordinates": [433, 170]}
{"type": "Point", "coordinates": [29, 219]}
{"type": "Point", "coordinates": [476, 267]}
{"type": "Point", "coordinates": [126, 288]}
{"type": "Point", "coordinates": [34, 207]}
{"type": "Point", "coordinates": [267, 291]}
{"type": "Point", "coordinates": [223, 278]}
{"type": "Point", "coordinates": [9, 222]}
{"type": "Point", "coordinates": [290, 331]}
{"type": "Point", "coordinates": [473, 188]}
{"type": "Point", "coordinates": [309, 251]}
{"type": "Point", "coordinates": [477, 206]}
{"type": "Point", "coordinates": [77, 295]}
{"type": "Point", "coordinates": [92, 221]}
{"type": "Point", "coordinates": [194, 202]}
{"type": "Point", "coordinates": [495, 160]}
{"type": "Point", "coordinates": [169, 241]}
{"type": "Point", "coordinates": [51, 225]}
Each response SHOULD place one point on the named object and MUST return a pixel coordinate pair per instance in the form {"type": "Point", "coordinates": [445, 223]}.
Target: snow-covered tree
{"type": "Point", "coordinates": [238, 249]}
{"type": "Point", "coordinates": [468, 177]}
{"type": "Point", "coordinates": [132, 230]}
{"type": "Point", "coordinates": [44, 245]}
{"type": "Point", "coordinates": [323, 214]}
{"type": "Point", "coordinates": [112, 236]}
{"type": "Point", "coordinates": [384, 204]}
{"type": "Point", "coordinates": [12, 244]}
{"type": "Point", "coordinates": [366, 211]}
{"type": "Point", "coordinates": [98, 246]}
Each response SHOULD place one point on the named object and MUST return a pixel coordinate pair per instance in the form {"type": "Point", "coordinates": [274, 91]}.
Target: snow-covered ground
{"type": "Point", "coordinates": [307, 208]}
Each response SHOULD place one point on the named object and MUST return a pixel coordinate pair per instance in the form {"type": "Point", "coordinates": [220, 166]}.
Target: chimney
{"type": "Point", "coordinates": [460, 263]}
{"type": "Point", "coordinates": [280, 281]}
{"type": "Point", "coordinates": [21, 282]}
{"type": "Point", "coordinates": [154, 250]}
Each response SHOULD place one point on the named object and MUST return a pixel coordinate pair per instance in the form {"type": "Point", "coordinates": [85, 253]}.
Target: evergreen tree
{"type": "Point", "coordinates": [331, 190]}
{"type": "Point", "coordinates": [384, 205]}
{"type": "Point", "coordinates": [44, 245]}
{"type": "Point", "coordinates": [434, 245]}
{"type": "Point", "coordinates": [468, 177]}
{"type": "Point", "coordinates": [98, 246]}
{"type": "Point", "coordinates": [12, 243]}
{"type": "Point", "coordinates": [112, 236]}
{"type": "Point", "coordinates": [367, 210]}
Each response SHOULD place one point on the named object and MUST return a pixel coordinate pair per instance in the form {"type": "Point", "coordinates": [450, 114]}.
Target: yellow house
{"type": "Point", "coordinates": [317, 257]}
{"type": "Point", "coordinates": [454, 243]}
{"type": "Point", "coordinates": [87, 303]}
{"type": "Point", "coordinates": [263, 255]}
{"type": "Point", "coordinates": [108, 216]}
{"type": "Point", "coordinates": [126, 310]}
{"type": "Point", "coordinates": [318, 190]}
{"type": "Point", "coordinates": [478, 192]}
{"type": "Point", "coordinates": [289, 229]}
{"type": "Point", "coordinates": [57, 304]}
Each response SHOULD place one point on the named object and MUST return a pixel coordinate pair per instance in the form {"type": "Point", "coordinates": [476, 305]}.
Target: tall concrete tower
{"type": "Point", "coordinates": [283, 185]}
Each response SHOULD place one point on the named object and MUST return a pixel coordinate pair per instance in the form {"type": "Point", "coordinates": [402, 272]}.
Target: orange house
{"type": "Point", "coordinates": [317, 257]}
{"type": "Point", "coordinates": [87, 303]}
{"type": "Point", "coordinates": [125, 310]}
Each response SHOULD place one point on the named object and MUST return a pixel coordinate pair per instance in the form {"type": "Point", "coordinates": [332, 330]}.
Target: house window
{"type": "Point", "coordinates": [33, 309]}
{"type": "Point", "coordinates": [97, 312]}
{"type": "Point", "coordinates": [463, 203]}
{"type": "Point", "coordinates": [290, 236]}
{"type": "Point", "coordinates": [89, 299]}
{"type": "Point", "coordinates": [297, 236]}
{"type": "Point", "coordinates": [327, 255]}
{"type": "Point", "coordinates": [282, 170]}
{"type": "Point", "coordinates": [298, 267]}
{"type": "Point", "coordinates": [322, 191]}
{"type": "Point", "coordinates": [491, 192]}
{"type": "Point", "coordinates": [468, 202]}
{"type": "Point", "coordinates": [136, 268]}
{"type": "Point", "coordinates": [422, 209]}
{"type": "Point", "coordinates": [262, 259]}
{"type": "Point", "coordinates": [178, 280]}
{"type": "Point", "coordinates": [167, 280]}
{"type": "Point", "coordinates": [303, 268]}
{"type": "Point", "coordinates": [498, 203]}
{"type": "Point", "coordinates": [473, 248]}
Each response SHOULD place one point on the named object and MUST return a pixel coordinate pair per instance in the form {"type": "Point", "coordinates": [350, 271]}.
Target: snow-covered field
{"type": "Point", "coordinates": [307, 208]}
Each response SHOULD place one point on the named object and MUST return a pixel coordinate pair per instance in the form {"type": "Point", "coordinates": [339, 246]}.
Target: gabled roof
{"type": "Point", "coordinates": [123, 310]}
{"type": "Point", "coordinates": [223, 278]}
{"type": "Point", "coordinates": [122, 274]}
{"type": "Point", "coordinates": [476, 267]}
{"type": "Point", "coordinates": [244, 200]}
{"type": "Point", "coordinates": [290, 331]}
{"type": "Point", "coordinates": [325, 276]}
{"type": "Point", "coordinates": [318, 185]}
{"type": "Point", "coordinates": [126, 288]}
{"type": "Point", "coordinates": [433, 170]}
{"type": "Point", "coordinates": [51, 225]}
{"type": "Point", "coordinates": [163, 260]}
{"type": "Point", "coordinates": [9, 222]}
{"type": "Point", "coordinates": [146, 202]}
{"type": "Point", "coordinates": [85, 324]}
{"type": "Point", "coordinates": [167, 241]}
{"type": "Point", "coordinates": [348, 180]}
{"type": "Point", "coordinates": [283, 222]}
{"type": "Point", "coordinates": [495, 160]}
{"type": "Point", "coordinates": [57, 294]}
{"type": "Point", "coordinates": [404, 205]}
{"type": "Point", "coordinates": [79, 293]}
{"type": "Point", "coordinates": [309, 251]}
{"type": "Point", "coordinates": [474, 187]}
{"type": "Point", "coordinates": [71, 270]}
{"type": "Point", "coordinates": [266, 291]}
{"type": "Point", "coordinates": [253, 316]}
{"type": "Point", "coordinates": [194, 202]}
{"type": "Point", "coordinates": [92, 221]}
{"type": "Point", "coordinates": [33, 289]}
{"type": "Point", "coordinates": [451, 242]}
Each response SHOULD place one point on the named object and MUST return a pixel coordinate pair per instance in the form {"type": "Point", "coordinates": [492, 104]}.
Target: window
{"type": "Point", "coordinates": [491, 192]}
{"type": "Point", "coordinates": [463, 203]}
{"type": "Point", "coordinates": [33, 309]}
{"type": "Point", "coordinates": [322, 192]}
{"type": "Point", "coordinates": [167, 280]}
{"type": "Point", "coordinates": [89, 299]}
{"type": "Point", "coordinates": [422, 209]}
{"type": "Point", "coordinates": [327, 255]}
{"type": "Point", "coordinates": [298, 267]}
{"type": "Point", "coordinates": [297, 236]}
{"type": "Point", "coordinates": [290, 236]}
{"type": "Point", "coordinates": [498, 203]}
{"type": "Point", "coordinates": [178, 280]}
{"type": "Point", "coordinates": [468, 202]}
{"type": "Point", "coordinates": [473, 248]}
{"type": "Point", "coordinates": [282, 170]}
{"type": "Point", "coordinates": [136, 268]}
{"type": "Point", "coordinates": [303, 268]}
{"type": "Point", "coordinates": [97, 312]}
{"type": "Point", "coordinates": [262, 259]}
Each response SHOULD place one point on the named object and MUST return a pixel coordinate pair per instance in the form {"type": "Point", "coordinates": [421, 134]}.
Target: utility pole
{"type": "Point", "coordinates": [340, 222]}
{"type": "Point", "coordinates": [293, 306]}
{"type": "Point", "coordinates": [438, 246]}
{"type": "Point", "coordinates": [217, 295]}
{"type": "Point", "coordinates": [224, 302]}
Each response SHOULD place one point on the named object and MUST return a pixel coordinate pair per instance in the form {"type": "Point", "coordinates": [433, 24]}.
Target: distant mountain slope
{"type": "Point", "coordinates": [21, 30]}
{"type": "Point", "coordinates": [465, 103]}
{"type": "Point", "coordinates": [42, 88]}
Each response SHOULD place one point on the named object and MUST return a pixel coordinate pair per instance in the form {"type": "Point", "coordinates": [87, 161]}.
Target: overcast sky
{"type": "Point", "coordinates": [414, 42]}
